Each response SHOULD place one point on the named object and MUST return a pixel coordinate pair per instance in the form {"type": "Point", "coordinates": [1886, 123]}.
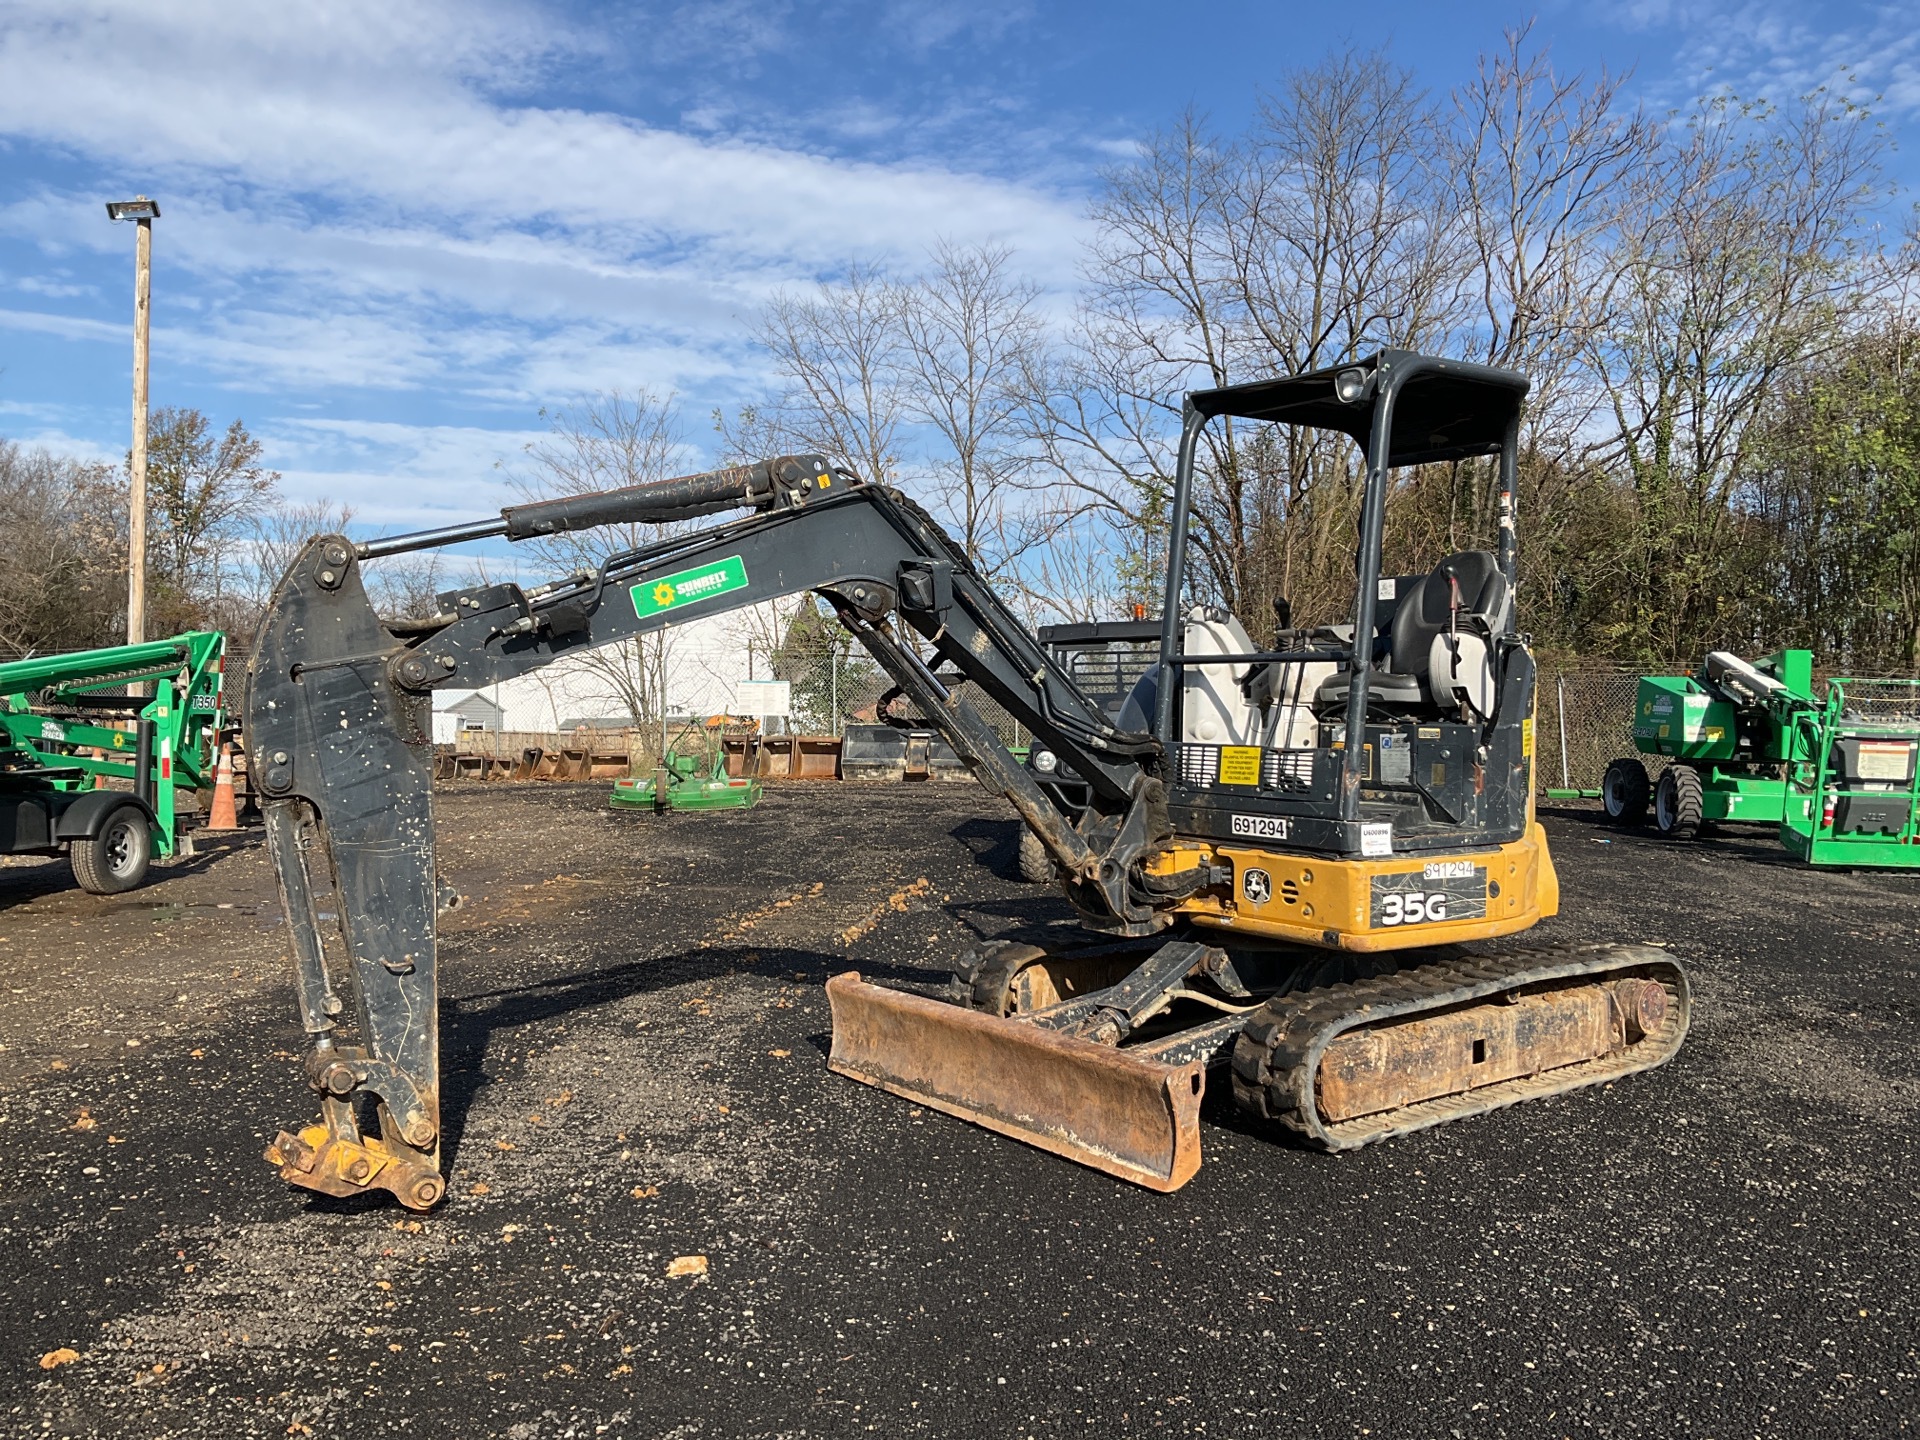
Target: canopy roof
{"type": "Point", "coordinates": [1443, 409]}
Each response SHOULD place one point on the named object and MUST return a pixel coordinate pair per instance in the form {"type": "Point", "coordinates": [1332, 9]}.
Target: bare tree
{"type": "Point", "coordinates": [1655, 282]}
{"type": "Point", "coordinates": [64, 584]}
{"type": "Point", "coordinates": [206, 491]}
{"type": "Point", "coordinates": [1321, 234]}
{"type": "Point", "coordinates": [603, 442]}
{"type": "Point", "coordinates": [1337, 232]}
{"type": "Point", "coordinates": [1156, 318]}
{"type": "Point", "coordinates": [969, 330]}
{"type": "Point", "coordinates": [253, 563]}
{"type": "Point", "coordinates": [1733, 259]}
{"type": "Point", "coordinates": [1538, 161]}
{"type": "Point", "coordinates": [838, 351]}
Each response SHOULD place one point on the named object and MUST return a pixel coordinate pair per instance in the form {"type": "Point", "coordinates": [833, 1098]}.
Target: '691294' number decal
{"type": "Point", "coordinates": [1261, 827]}
{"type": "Point", "coordinates": [1418, 898]}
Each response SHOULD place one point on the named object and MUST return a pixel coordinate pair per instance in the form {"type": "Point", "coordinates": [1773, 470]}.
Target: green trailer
{"type": "Point", "coordinates": [92, 768]}
{"type": "Point", "coordinates": [1759, 742]}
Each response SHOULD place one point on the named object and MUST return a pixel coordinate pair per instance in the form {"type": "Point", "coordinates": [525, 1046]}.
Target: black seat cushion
{"type": "Point", "coordinates": [1382, 685]}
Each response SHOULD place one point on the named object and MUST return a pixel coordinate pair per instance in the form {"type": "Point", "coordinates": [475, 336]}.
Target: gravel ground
{"type": "Point", "coordinates": [634, 1035]}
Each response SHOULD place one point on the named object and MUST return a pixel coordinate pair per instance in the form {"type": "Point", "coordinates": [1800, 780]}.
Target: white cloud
{"type": "Point", "coordinates": [50, 436]}
{"type": "Point", "coordinates": [52, 289]}
{"type": "Point", "coordinates": [401, 119]}
{"type": "Point", "coordinates": [366, 197]}
{"type": "Point", "coordinates": [1779, 50]}
{"type": "Point", "coordinates": [396, 476]}
{"type": "Point", "coordinates": [67, 327]}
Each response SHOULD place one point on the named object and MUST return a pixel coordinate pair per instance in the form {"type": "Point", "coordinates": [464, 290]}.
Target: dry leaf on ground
{"type": "Point", "coordinates": [682, 1265]}
{"type": "Point", "coordinates": [54, 1359]}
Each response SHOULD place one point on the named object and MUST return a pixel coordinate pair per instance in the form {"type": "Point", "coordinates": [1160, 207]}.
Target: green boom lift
{"type": "Point", "coordinates": [69, 723]}
{"type": "Point", "coordinates": [1756, 742]}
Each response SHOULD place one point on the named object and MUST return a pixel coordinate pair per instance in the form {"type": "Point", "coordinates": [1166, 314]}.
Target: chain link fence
{"type": "Point", "coordinates": [1584, 720]}
{"type": "Point", "coordinates": [830, 692]}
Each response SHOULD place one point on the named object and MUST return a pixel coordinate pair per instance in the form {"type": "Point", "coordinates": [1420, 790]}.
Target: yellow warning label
{"type": "Point", "coordinates": [1526, 736]}
{"type": "Point", "coordinates": [1240, 765]}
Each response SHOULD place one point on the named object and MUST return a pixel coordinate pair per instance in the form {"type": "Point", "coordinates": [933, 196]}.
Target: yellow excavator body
{"type": "Point", "coordinates": [1315, 900]}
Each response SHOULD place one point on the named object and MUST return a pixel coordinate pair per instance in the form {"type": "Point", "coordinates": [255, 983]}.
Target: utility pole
{"type": "Point", "coordinates": [143, 212]}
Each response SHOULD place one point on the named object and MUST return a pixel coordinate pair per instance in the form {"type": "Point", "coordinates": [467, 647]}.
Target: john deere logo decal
{"type": "Point", "coordinates": [672, 592]}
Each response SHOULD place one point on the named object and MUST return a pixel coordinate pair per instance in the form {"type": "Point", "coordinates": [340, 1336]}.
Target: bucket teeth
{"type": "Point", "coordinates": [1128, 1115]}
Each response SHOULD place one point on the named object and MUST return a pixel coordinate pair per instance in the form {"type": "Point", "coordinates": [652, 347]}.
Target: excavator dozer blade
{"type": "Point", "coordinates": [1132, 1117]}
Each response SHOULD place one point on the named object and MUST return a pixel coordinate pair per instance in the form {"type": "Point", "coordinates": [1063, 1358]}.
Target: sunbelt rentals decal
{"type": "Point", "coordinates": [703, 582]}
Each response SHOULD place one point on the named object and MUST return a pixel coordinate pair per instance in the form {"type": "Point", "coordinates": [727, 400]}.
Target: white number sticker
{"type": "Point", "coordinates": [1261, 827]}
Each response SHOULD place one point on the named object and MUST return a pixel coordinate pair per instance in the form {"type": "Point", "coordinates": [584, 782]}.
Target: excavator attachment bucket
{"type": "Point", "coordinates": [1128, 1115]}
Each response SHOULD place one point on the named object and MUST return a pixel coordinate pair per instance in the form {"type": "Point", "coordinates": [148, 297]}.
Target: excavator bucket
{"type": "Point", "coordinates": [1128, 1115]}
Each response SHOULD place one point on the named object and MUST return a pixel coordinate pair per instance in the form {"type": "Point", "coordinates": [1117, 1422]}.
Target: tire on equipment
{"type": "Point", "coordinates": [1678, 803]}
{"type": "Point", "coordinates": [116, 858]}
{"type": "Point", "coordinates": [1624, 792]}
{"type": "Point", "coordinates": [1036, 865]}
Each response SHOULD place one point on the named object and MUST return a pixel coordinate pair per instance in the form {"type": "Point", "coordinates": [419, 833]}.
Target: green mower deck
{"type": "Point", "coordinates": [680, 784]}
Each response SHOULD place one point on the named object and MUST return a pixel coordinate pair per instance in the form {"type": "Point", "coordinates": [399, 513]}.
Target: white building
{"type": "Point", "coordinates": [706, 659]}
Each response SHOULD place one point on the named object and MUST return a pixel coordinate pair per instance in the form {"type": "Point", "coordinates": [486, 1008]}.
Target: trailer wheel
{"type": "Point", "coordinates": [115, 859]}
{"type": "Point", "coordinates": [1678, 802]}
{"type": "Point", "coordinates": [1624, 792]}
{"type": "Point", "coordinates": [1036, 865]}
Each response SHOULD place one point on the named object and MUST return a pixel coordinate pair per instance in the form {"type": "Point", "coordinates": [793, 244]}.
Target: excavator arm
{"type": "Point", "coordinates": [339, 731]}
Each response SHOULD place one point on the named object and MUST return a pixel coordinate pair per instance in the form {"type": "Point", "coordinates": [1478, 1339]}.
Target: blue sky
{"type": "Point", "coordinates": [394, 229]}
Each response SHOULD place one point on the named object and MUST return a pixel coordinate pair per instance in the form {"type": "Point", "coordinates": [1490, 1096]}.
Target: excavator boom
{"type": "Point", "coordinates": [340, 733]}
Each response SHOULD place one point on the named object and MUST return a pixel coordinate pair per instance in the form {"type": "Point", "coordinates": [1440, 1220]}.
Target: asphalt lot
{"type": "Point", "coordinates": [633, 1034]}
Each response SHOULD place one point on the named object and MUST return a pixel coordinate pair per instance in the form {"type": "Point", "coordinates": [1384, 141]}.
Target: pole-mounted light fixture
{"type": "Point", "coordinates": [140, 208]}
{"type": "Point", "coordinates": [143, 212]}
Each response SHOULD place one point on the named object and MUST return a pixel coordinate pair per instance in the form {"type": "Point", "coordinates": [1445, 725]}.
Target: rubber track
{"type": "Point", "coordinates": [1278, 1054]}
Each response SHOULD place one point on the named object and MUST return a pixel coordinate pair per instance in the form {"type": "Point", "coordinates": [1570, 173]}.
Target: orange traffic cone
{"type": "Point", "coordinates": [99, 780]}
{"type": "Point", "coordinates": [221, 815]}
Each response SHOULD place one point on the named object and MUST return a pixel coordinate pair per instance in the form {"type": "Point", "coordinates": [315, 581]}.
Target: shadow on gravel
{"type": "Point", "coordinates": [22, 884]}
{"type": "Point", "coordinates": [994, 844]}
{"type": "Point", "coordinates": [468, 1022]}
{"type": "Point", "coordinates": [1749, 844]}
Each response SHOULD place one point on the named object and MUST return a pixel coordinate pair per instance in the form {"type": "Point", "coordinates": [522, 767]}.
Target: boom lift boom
{"type": "Point", "coordinates": [1269, 893]}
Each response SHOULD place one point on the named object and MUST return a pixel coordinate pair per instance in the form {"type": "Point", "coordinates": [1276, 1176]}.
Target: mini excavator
{"type": "Point", "coordinates": [1277, 853]}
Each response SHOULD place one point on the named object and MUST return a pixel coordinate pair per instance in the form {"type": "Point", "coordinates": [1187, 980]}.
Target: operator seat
{"type": "Point", "coordinates": [1441, 649]}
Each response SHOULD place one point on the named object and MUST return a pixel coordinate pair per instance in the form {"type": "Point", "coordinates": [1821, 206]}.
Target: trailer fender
{"type": "Point", "coordinates": [82, 820]}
